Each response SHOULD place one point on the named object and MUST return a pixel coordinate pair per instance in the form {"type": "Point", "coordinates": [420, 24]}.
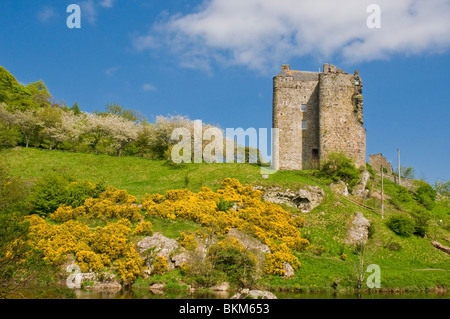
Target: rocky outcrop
{"type": "Point", "coordinates": [288, 271]}
{"type": "Point", "coordinates": [360, 189]}
{"type": "Point", "coordinates": [305, 199]}
{"type": "Point", "coordinates": [339, 188]}
{"type": "Point", "coordinates": [253, 245]}
{"type": "Point", "coordinates": [253, 294]}
{"type": "Point", "coordinates": [359, 230]}
{"type": "Point", "coordinates": [248, 241]}
{"type": "Point", "coordinates": [157, 245]}
{"type": "Point", "coordinates": [97, 281]}
{"type": "Point", "coordinates": [221, 287]}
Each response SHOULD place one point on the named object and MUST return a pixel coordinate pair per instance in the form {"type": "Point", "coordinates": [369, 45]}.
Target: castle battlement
{"type": "Point", "coordinates": [318, 113]}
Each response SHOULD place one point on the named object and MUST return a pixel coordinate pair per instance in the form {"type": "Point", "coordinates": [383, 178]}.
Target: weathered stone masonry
{"type": "Point", "coordinates": [378, 160]}
{"type": "Point", "coordinates": [318, 113]}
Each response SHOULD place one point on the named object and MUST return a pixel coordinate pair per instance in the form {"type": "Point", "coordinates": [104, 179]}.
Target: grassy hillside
{"type": "Point", "coordinates": [407, 263]}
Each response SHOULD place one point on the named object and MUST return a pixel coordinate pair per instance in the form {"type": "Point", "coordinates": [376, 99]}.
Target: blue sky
{"type": "Point", "coordinates": [214, 60]}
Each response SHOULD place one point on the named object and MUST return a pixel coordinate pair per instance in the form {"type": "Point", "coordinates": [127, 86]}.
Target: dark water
{"type": "Point", "coordinates": [87, 294]}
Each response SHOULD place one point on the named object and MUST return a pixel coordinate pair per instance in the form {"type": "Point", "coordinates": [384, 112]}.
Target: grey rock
{"type": "Point", "coordinates": [158, 245]}
{"type": "Point", "coordinates": [360, 189]}
{"type": "Point", "coordinates": [254, 294]}
{"type": "Point", "coordinates": [339, 188]}
{"type": "Point", "coordinates": [304, 199]}
{"type": "Point", "coordinates": [359, 230]}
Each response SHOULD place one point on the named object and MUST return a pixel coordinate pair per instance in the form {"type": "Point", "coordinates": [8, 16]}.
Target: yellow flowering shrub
{"type": "Point", "coordinates": [119, 196]}
{"type": "Point", "coordinates": [144, 228]}
{"type": "Point", "coordinates": [159, 265]}
{"type": "Point", "coordinates": [266, 221]}
{"type": "Point", "coordinates": [111, 241]}
{"type": "Point", "coordinates": [89, 261]}
{"type": "Point", "coordinates": [130, 266]}
{"type": "Point", "coordinates": [187, 241]}
{"type": "Point", "coordinates": [274, 262]}
{"type": "Point", "coordinates": [65, 213]}
{"type": "Point", "coordinates": [97, 207]}
{"type": "Point", "coordinates": [56, 241]}
{"type": "Point", "coordinates": [106, 246]}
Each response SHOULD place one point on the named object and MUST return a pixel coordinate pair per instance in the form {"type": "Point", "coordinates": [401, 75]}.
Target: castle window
{"type": "Point", "coordinates": [303, 108]}
{"type": "Point", "coordinates": [286, 79]}
{"type": "Point", "coordinates": [304, 125]}
{"type": "Point", "coordinates": [284, 103]}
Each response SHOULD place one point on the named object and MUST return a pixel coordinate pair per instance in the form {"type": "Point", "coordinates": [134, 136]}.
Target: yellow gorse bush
{"type": "Point", "coordinates": [144, 228]}
{"type": "Point", "coordinates": [159, 265]}
{"type": "Point", "coordinates": [107, 246]}
{"type": "Point", "coordinates": [65, 213]}
{"type": "Point", "coordinates": [112, 203]}
{"type": "Point", "coordinates": [110, 246]}
{"type": "Point", "coordinates": [266, 221]}
{"type": "Point", "coordinates": [188, 241]}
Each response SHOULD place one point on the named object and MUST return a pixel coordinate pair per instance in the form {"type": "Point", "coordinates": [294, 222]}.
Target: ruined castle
{"type": "Point", "coordinates": [317, 113]}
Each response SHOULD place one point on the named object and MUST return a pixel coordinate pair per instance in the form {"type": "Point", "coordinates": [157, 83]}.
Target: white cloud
{"type": "Point", "coordinates": [148, 87]}
{"type": "Point", "coordinates": [107, 3]}
{"type": "Point", "coordinates": [111, 71]}
{"type": "Point", "coordinates": [261, 34]}
{"type": "Point", "coordinates": [88, 11]}
{"type": "Point", "coordinates": [45, 14]}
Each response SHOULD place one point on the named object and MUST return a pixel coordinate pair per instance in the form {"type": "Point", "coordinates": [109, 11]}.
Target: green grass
{"type": "Point", "coordinates": [416, 265]}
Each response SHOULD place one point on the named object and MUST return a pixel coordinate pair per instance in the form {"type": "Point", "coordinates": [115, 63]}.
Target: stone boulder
{"type": "Point", "coordinates": [305, 199]}
{"type": "Point", "coordinates": [99, 281]}
{"type": "Point", "coordinates": [221, 287]}
{"type": "Point", "coordinates": [248, 241]}
{"type": "Point", "coordinates": [157, 245]}
{"type": "Point", "coordinates": [359, 230]}
{"type": "Point", "coordinates": [288, 271]}
{"type": "Point", "coordinates": [360, 189]}
{"type": "Point", "coordinates": [339, 188]}
{"type": "Point", "coordinates": [253, 294]}
{"type": "Point", "coordinates": [253, 245]}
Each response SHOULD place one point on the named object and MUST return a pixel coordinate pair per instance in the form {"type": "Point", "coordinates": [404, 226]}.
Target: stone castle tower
{"type": "Point", "coordinates": [317, 113]}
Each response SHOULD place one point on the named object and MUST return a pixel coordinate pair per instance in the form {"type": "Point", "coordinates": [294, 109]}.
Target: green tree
{"type": "Point", "coordinates": [116, 109]}
{"type": "Point", "coordinates": [442, 188]}
{"type": "Point", "coordinates": [425, 195]}
{"type": "Point", "coordinates": [75, 109]}
{"type": "Point", "coordinates": [39, 93]}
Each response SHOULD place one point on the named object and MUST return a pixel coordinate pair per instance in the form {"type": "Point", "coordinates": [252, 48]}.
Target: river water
{"type": "Point", "coordinates": [143, 294]}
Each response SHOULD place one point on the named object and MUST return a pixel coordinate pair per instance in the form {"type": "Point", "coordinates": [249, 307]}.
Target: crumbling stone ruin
{"type": "Point", "coordinates": [377, 161]}
{"type": "Point", "coordinates": [317, 113]}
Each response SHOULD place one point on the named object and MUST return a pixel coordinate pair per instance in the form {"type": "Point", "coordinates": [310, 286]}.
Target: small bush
{"type": "Point", "coordinates": [187, 241]}
{"type": "Point", "coordinates": [401, 225]}
{"type": "Point", "coordinates": [340, 167]}
{"type": "Point", "coordinates": [224, 205]}
{"type": "Point", "coordinates": [393, 246]}
{"type": "Point", "coordinates": [231, 257]}
{"type": "Point", "coordinates": [159, 265]}
{"type": "Point", "coordinates": [421, 218]}
{"type": "Point", "coordinates": [53, 191]}
{"type": "Point", "coordinates": [425, 195]}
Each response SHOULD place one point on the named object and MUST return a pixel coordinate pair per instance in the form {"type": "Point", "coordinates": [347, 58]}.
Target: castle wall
{"type": "Point", "coordinates": [340, 117]}
{"type": "Point", "coordinates": [289, 101]}
{"type": "Point", "coordinates": [378, 160]}
{"type": "Point", "coordinates": [329, 104]}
